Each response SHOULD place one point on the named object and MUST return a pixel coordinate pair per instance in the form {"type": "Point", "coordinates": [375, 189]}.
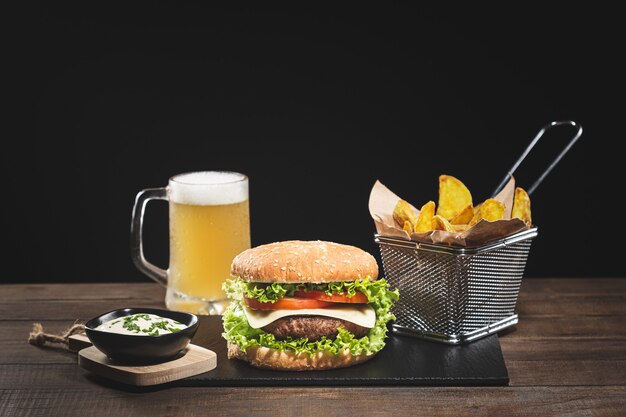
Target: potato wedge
{"type": "Point", "coordinates": [521, 206]}
{"type": "Point", "coordinates": [477, 208]}
{"type": "Point", "coordinates": [424, 219]}
{"type": "Point", "coordinates": [440, 223]}
{"type": "Point", "coordinates": [403, 212]}
{"type": "Point", "coordinates": [490, 210]}
{"type": "Point", "coordinates": [454, 197]}
{"type": "Point", "coordinates": [464, 217]}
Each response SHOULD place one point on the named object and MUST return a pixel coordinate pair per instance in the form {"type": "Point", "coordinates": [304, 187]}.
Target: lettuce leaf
{"type": "Point", "coordinates": [270, 293]}
{"type": "Point", "coordinates": [237, 330]}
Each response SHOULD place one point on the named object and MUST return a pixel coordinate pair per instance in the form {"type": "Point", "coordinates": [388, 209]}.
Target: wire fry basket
{"type": "Point", "coordinates": [454, 294]}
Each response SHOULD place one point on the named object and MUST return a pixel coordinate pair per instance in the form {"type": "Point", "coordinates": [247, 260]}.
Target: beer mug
{"type": "Point", "coordinates": [209, 224]}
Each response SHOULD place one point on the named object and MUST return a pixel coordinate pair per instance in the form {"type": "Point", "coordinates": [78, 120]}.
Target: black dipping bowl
{"type": "Point", "coordinates": [131, 348]}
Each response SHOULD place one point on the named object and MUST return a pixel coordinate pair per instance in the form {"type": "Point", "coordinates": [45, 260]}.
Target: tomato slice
{"type": "Point", "coordinates": [287, 303]}
{"type": "Point", "coordinates": [358, 297]}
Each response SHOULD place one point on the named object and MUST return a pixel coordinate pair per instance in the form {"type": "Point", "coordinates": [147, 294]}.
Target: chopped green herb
{"type": "Point", "coordinates": [130, 326]}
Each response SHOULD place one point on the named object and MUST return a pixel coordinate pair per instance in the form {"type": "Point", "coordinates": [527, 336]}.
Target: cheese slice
{"type": "Point", "coordinates": [361, 314]}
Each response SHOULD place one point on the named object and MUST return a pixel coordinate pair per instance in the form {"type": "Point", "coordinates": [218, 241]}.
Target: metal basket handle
{"type": "Point", "coordinates": [532, 144]}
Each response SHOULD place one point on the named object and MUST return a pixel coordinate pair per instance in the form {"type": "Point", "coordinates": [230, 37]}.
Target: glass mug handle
{"type": "Point", "coordinates": [136, 231]}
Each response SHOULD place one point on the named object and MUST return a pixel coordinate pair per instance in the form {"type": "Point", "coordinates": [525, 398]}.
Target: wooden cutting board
{"type": "Point", "coordinates": [193, 361]}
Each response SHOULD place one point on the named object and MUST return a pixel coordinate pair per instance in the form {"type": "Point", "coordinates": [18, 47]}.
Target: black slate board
{"type": "Point", "coordinates": [403, 361]}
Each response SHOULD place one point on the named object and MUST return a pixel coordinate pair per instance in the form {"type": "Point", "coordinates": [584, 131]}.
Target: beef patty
{"type": "Point", "coordinates": [312, 327]}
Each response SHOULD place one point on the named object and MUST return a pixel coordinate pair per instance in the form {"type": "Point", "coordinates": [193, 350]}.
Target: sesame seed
{"type": "Point", "coordinates": [275, 265]}
{"type": "Point", "coordinates": [282, 268]}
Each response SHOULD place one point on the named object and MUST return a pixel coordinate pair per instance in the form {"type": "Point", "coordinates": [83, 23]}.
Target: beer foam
{"type": "Point", "coordinates": [208, 188]}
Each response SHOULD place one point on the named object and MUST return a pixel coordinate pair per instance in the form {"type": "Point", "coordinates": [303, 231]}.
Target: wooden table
{"type": "Point", "coordinates": [566, 357]}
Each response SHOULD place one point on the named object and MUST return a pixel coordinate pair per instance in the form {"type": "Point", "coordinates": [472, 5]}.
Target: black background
{"type": "Point", "coordinates": [313, 104]}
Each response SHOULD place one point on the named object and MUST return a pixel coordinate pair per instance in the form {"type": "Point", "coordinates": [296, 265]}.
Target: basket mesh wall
{"type": "Point", "coordinates": [454, 294]}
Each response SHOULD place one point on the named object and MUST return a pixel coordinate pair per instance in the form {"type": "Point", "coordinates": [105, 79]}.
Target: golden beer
{"type": "Point", "coordinates": [209, 226]}
{"type": "Point", "coordinates": [204, 239]}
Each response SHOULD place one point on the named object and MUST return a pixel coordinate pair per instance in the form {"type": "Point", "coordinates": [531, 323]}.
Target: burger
{"type": "Point", "coordinates": [306, 305]}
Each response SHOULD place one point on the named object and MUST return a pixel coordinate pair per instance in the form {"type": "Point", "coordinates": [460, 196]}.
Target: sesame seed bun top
{"type": "Point", "coordinates": [298, 261]}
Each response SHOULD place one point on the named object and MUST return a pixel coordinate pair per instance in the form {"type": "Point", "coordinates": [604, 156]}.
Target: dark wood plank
{"type": "Point", "coordinates": [72, 292]}
{"type": "Point", "coordinates": [566, 373]}
{"type": "Point", "coordinates": [572, 305]}
{"type": "Point", "coordinates": [341, 402]}
{"type": "Point", "coordinates": [14, 348]}
{"type": "Point", "coordinates": [70, 311]}
{"type": "Point", "coordinates": [562, 349]}
{"type": "Point", "coordinates": [547, 287]}
{"type": "Point", "coordinates": [571, 328]}
{"type": "Point", "coordinates": [28, 355]}
{"type": "Point", "coordinates": [42, 375]}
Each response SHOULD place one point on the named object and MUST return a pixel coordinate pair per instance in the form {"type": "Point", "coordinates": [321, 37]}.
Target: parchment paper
{"type": "Point", "coordinates": [383, 201]}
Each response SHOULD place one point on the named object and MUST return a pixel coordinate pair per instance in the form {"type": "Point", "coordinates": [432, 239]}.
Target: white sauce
{"type": "Point", "coordinates": [142, 325]}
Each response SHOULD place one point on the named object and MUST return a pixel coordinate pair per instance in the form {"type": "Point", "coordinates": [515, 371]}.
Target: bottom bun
{"type": "Point", "coordinates": [267, 358]}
